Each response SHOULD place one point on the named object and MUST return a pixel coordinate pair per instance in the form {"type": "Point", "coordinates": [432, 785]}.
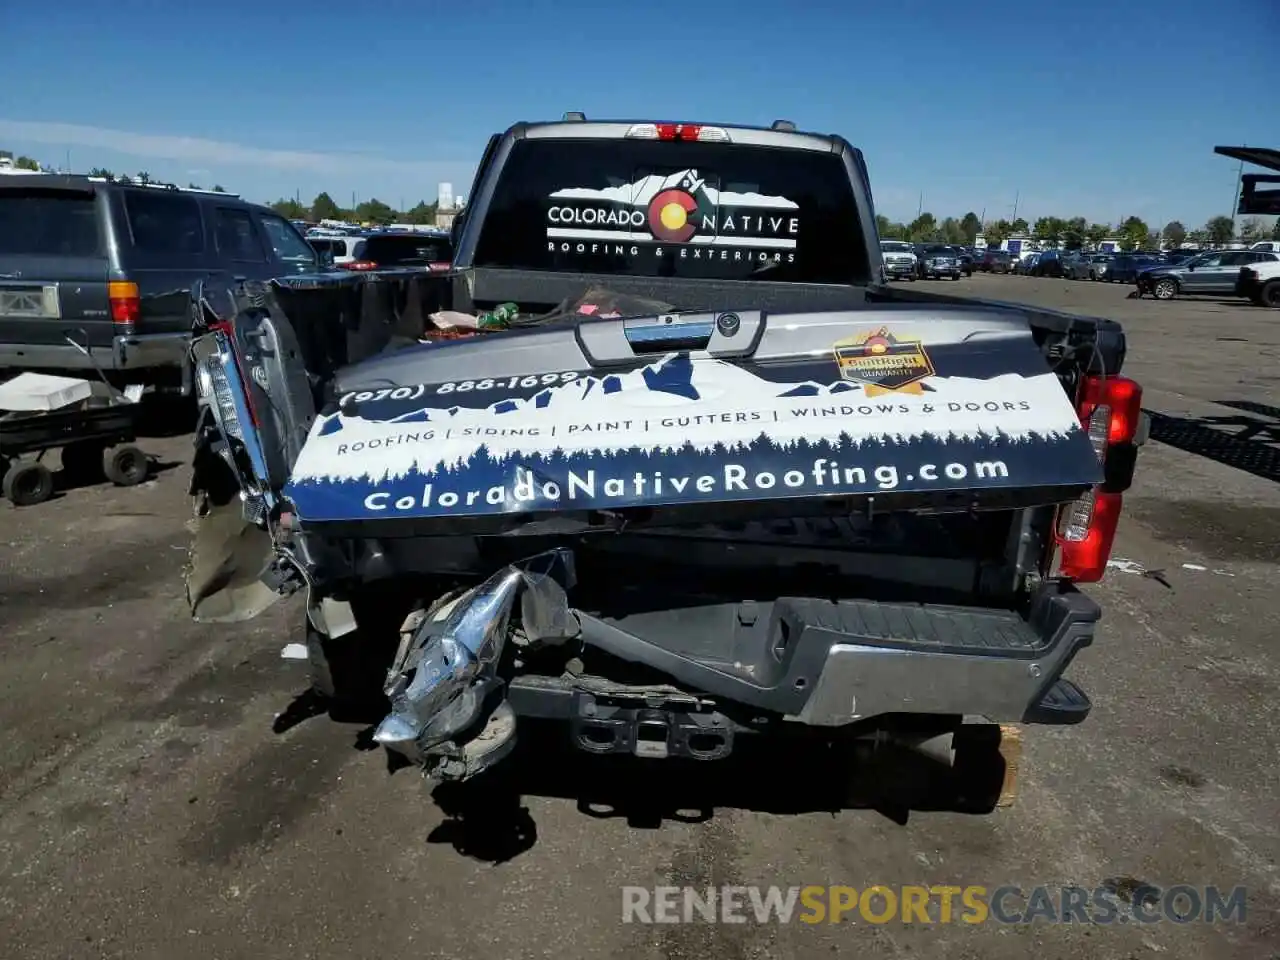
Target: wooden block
{"type": "Point", "coordinates": [1011, 752]}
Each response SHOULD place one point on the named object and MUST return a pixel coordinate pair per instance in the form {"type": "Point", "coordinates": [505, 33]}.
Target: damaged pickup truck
{"type": "Point", "coordinates": [715, 480]}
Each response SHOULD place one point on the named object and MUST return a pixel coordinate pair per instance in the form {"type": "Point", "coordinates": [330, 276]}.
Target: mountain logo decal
{"type": "Point", "coordinates": [682, 207]}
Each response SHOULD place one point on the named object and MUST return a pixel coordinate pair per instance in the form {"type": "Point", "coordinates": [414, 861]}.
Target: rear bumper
{"type": "Point", "coordinates": [819, 667]}
{"type": "Point", "coordinates": [830, 663]}
{"type": "Point", "coordinates": [127, 353]}
{"type": "Point", "coordinates": [846, 663]}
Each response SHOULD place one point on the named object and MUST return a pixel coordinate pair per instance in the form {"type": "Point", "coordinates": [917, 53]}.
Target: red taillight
{"type": "Point", "coordinates": [1085, 560]}
{"type": "Point", "coordinates": [359, 265]}
{"type": "Point", "coordinates": [1117, 401]}
{"type": "Point", "coordinates": [439, 265]}
{"type": "Point", "coordinates": [1110, 410]}
{"type": "Point", "coordinates": [678, 131]}
{"type": "Point", "coordinates": [125, 302]}
{"type": "Point", "coordinates": [683, 132]}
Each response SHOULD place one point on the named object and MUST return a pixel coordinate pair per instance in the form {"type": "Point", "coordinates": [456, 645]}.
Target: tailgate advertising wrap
{"type": "Point", "coordinates": [873, 416]}
{"type": "Point", "coordinates": [682, 215]}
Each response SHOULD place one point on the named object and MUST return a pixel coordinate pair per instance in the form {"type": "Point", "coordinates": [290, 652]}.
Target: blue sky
{"type": "Point", "coordinates": [1094, 109]}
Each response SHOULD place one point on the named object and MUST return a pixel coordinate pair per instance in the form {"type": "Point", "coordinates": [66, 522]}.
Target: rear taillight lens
{"type": "Point", "coordinates": [359, 265]}
{"type": "Point", "coordinates": [1110, 410]}
{"type": "Point", "coordinates": [125, 302]}
{"type": "Point", "coordinates": [214, 386]}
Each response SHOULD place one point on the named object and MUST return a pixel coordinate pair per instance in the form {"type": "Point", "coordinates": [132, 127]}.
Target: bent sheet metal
{"type": "Point", "coordinates": [447, 710]}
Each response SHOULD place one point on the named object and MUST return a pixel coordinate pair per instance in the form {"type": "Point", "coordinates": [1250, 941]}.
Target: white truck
{"type": "Point", "coordinates": [1260, 283]}
{"type": "Point", "coordinates": [900, 260]}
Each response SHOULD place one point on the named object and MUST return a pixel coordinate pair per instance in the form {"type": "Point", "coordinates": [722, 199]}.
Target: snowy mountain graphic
{"type": "Point", "coordinates": [678, 403]}
{"type": "Point", "coordinates": [639, 194]}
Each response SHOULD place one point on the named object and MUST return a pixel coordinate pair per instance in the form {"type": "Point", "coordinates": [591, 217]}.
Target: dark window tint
{"type": "Point", "coordinates": [237, 240]}
{"type": "Point", "coordinates": [48, 223]}
{"type": "Point", "coordinates": [164, 222]}
{"type": "Point", "coordinates": [408, 250]}
{"type": "Point", "coordinates": [286, 241]}
{"type": "Point", "coordinates": [648, 208]}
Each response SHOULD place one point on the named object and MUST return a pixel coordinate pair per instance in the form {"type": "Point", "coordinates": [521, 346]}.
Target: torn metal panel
{"type": "Point", "coordinates": [444, 685]}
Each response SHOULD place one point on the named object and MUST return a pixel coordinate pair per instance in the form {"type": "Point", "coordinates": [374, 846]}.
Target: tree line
{"type": "Point", "coordinates": [373, 210]}
{"type": "Point", "coordinates": [1132, 232]}
{"type": "Point", "coordinates": [323, 207]}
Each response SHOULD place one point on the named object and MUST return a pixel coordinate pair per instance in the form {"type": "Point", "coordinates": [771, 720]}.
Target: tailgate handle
{"type": "Point", "coordinates": [669, 331]}
{"type": "Point", "coordinates": [720, 333]}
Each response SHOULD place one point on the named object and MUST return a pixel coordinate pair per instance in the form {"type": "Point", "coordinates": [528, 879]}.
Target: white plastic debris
{"type": "Point", "coordinates": [1194, 566]}
{"type": "Point", "coordinates": [42, 392]}
{"type": "Point", "coordinates": [1126, 566]}
{"type": "Point", "coordinates": [294, 651]}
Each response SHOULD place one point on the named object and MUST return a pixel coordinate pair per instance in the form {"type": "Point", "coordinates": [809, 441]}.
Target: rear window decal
{"type": "Point", "coordinates": [681, 214]}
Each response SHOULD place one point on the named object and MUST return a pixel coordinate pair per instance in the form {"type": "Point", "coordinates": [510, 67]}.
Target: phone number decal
{"type": "Point", "coordinates": [390, 393]}
{"type": "Point", "coordinates": [461, 386]}
{"type": "Point", "coordinates": [507, 383]}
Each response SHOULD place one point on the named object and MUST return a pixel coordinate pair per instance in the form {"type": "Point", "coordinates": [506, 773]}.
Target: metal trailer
{"type": "Point", "coordinates": [97, 442]}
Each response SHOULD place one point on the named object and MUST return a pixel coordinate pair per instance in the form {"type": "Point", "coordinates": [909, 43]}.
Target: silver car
{"type": "Point", "coordinates": [1099, 264]}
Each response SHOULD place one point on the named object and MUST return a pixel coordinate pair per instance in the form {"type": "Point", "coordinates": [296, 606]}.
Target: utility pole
{"type": "Point", "coordinates": [1235, 198]}
{"type": "Point", "coordinates": [1017, 195]}
{"type": "Point", "coordinates": [920, 205]}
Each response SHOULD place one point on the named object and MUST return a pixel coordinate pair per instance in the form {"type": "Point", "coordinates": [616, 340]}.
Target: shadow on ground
{"type": "Point", "coordinates": [1248, 441]}
{"type": "Point", "coordinates": [487, 818]}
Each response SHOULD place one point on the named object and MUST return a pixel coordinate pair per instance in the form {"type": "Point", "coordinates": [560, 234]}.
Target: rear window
{"type": "Point", "coordinates": [236, 238]}
{"type": "Point", "coordinates": [49, 223]}
{"type": "Point", "coordinates": [409, 251]}
{"type": "Point", "coordinates": [661, 209]}
{"type": "Point", "coordinates": [164, 222]}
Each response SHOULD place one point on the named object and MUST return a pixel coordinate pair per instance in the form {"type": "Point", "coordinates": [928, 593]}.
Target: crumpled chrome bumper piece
{"type": "Point", "coordinates": [447, 706]}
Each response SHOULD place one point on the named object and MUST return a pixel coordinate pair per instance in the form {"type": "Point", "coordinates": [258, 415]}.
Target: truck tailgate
{"type": "Point", "coordinates": [911, 407]}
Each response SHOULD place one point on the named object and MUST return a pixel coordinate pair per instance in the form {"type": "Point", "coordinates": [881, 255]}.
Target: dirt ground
{"type": "Point", "coordinates": [155, 803]}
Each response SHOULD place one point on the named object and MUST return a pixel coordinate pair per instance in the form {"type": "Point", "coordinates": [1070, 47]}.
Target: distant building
{"type": "Point", "coordinates": [444, 197]}
{"type": "Point", "coordinates": [7, 167]}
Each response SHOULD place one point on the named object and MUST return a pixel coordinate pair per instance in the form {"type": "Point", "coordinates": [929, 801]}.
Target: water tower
{"type": "Point", "coordinates": [444, 197]}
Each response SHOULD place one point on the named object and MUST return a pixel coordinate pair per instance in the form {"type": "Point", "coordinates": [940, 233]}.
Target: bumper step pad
{"type": "Point", "coordinates": [1063, 703]}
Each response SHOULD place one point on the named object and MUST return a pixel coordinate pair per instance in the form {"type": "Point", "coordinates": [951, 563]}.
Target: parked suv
{"type": "Point", "coordinates": [1216, 272]}
{"type": "Point", "coordinates": [89, 265]}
